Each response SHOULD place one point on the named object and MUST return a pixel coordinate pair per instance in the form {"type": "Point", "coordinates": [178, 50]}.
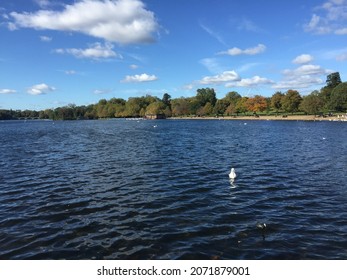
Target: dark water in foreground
{"type": "Point", "coordinates": [128, 190]}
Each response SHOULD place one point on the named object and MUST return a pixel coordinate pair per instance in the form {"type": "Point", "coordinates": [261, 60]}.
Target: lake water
{"type": "Point", "coordinates": [122, 189]}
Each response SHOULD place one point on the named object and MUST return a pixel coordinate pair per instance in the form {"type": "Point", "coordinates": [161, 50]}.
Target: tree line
{"type": "Point", "coordinates": [330, 98]}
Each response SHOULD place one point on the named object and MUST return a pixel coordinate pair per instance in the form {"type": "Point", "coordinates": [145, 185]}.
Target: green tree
{"type": "Point", "coordinates": [276, 101]}
{"type": "Point", "coordinates": [325, 94]}
{"type": "Point", "coordinates": [167, 100]}
{"type": "Point", "coordinates": [102, 102]}
{"type": "Point", "coordinates": [116, 107]}
{"type": "Point", "coordinates": [117, 101]}
{"type": "Point", "coordinates": [142, 112]}
{"type": "Point", "coordinates": [228, 103]}
{"type": "Point", "coordinates": [221, 106]}
{"type": "Point", "coordinates": [133, 107]}
{"type": "Point", "coordinates": [338, 99]}
{"type": "Point", "coordinates": [333, 80]}
{"type": "Point", "coordinates": [5, 115]}
{"type": "Point", "coordinates": [90, 112]}
{"type": "Point", "coordinates": [119, 110]}
{"type": "Point", "coordinates": [44, 114]}
{"type": "Point", "coordinates": [155, 108]}
{"type": "Point", "coordinates": [146, 100]}
{"type": "Point", "coordinates": [231, 109]}
{"type": "Point", "coordinates": [241, 105]}
{"type": "Point", "coordinates": [110, 110]}
{"type": "Point", "coordinates": [80, 111]}
{"type": "Point", "coordinates": [291, 101]}
{"type": "Point", "coordinates": [194, 105]}
{"type": "Point", "coordinates": [64, 113]}
{"type": "Point", "coordinates": [232, 97]}
{"type": "Point", "coordinates": [101, 110]}
{"type": "Point", "coordinates": [206, 110]}
{"type": "Point", "coordinates": [167, 112]}
{"type": "Point", "coordinates": [312, 104]}
{"type": "Point", "coordinates": [205, 95]}
{"type": "Point", "coordinates": [180, 107]}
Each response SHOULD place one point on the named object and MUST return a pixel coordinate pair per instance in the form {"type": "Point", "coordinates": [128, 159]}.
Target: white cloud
{"type": "Point", "coordinates": [303, 70]}
{"type": "Point", "coordinates": [248, 25]}
{"type": "Point", "coordinates": [59, 51]}
{"type": "Point", "coordinates": [303, 59]}
{"type": "Point", "coordinates": [94, 51]}
{"type": "Point", "coordinates": [313, 25]}
{"type": "Point", "coordinates": [188, 87]}
{"type": "Point", "coordinates": [251, 82]}
{"type": "Point", "coordinates": [45, 39]}
{"type": "Point", "coordinates": [212, 64]}
{"type": "Point", "coordinates": [330, 18]}
{"type": "Point", "coordinates": [213, 34]}
{"type": "Point", "coordinates": [70, 72]}
{"type": "Point", "coordinates": [11, 26]}
{"type": "Point", "coordinates": [225, 77]}
{"type": "Point", "coordinates": [260, 48]}
{"type": "Point", "coordinates": [40, 89]}
{"type": "Point", "coordinates": [139, 78]}
{"type": "Point", "coordinates": [43, 3]}
{"type": "Point", "coordinates": [298, 83]}
{"type": "Point", "coordinates": [120, 21]}
{"type": "Point", "coordinates": [247, 66]}
{"type": "Point", "coordinates": [304, 76]}
{"type": "Point", "coordinates": [7, 91]}
{"type": "Point", "coordinates": [102, 91]}
{"type": "Point", "coordinates": [133, 66]}
{"type": "Point", "coordinates": [335, 9]}
{"type": "Point", "coordinates": [341, 31]}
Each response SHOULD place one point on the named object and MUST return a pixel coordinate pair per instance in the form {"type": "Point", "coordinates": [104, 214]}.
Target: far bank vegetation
{"type": "Point", "coordinates": [331, 98]}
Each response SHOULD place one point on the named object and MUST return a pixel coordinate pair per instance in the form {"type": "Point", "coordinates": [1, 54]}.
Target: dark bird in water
{"type": "Point", "coordinates": [262, 227]}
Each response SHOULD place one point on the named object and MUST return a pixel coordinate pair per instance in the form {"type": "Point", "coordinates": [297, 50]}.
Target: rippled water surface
{"type": "Point", "coordinates": [160, 190]}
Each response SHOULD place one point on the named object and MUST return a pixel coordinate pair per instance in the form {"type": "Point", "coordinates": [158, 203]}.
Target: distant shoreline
{"type": "Point", "coordinates": [269, 118]}
{"type": "Point", "coordinates": [337, 118]}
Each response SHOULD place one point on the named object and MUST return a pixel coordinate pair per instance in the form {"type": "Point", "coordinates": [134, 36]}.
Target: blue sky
{"type": "Point", "coordinates": [53, 53]}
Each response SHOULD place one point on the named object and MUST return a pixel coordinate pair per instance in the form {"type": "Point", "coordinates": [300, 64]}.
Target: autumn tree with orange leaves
{"type": "Point", "coordinates": [256, 104]}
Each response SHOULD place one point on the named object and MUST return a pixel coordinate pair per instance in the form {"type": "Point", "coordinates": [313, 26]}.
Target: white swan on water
{"type": "Point", "coordinates": [232, 174]}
